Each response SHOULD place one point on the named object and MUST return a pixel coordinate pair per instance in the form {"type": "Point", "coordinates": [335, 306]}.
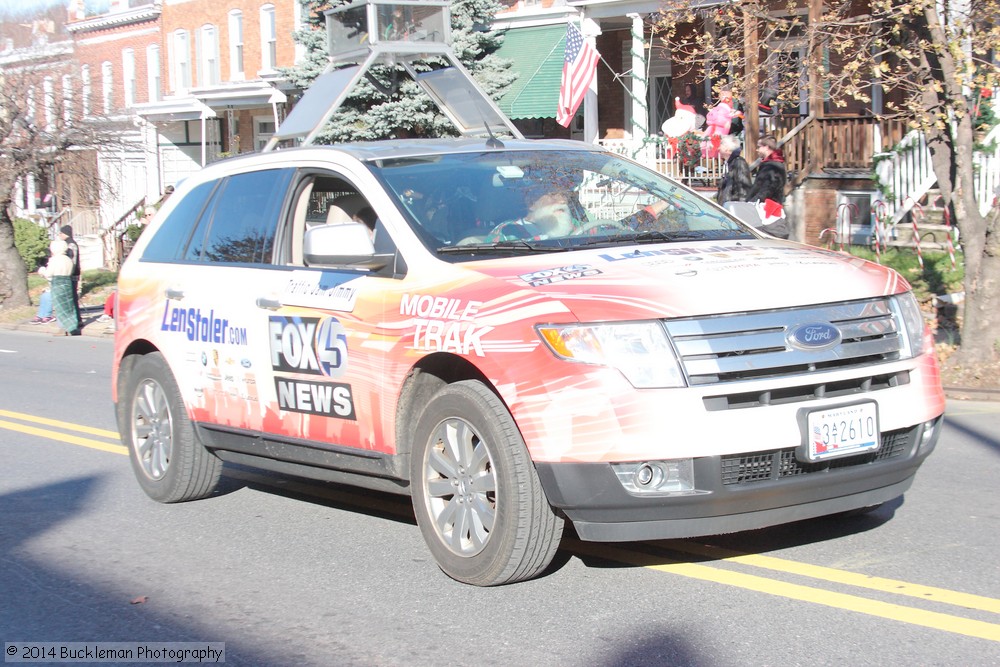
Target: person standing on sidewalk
{"type": "Point", "coordinates": [73, 251]}
{"type": "Point", "coordinates": [59, 271]}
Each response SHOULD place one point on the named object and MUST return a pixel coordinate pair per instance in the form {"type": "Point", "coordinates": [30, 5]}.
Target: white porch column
{"type": "Point", "coordinates": [590, 31]}
{"type": "Point", "coordinates": [640, 110]}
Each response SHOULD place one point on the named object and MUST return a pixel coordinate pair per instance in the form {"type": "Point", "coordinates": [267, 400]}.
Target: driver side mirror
{"type": "Point", "coordinates": [347, 245]}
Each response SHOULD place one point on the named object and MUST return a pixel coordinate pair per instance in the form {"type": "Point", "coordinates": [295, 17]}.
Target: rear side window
{"type": "Point", "coordinates": [173, 234]}
{"type": "Point", "coordinates": [242, 219]}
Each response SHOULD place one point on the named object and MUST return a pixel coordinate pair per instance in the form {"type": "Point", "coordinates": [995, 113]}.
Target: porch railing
{"type": "Point", "coordinates": [652, 152]}
{"type": "Point", "coordinates": [987, 171]}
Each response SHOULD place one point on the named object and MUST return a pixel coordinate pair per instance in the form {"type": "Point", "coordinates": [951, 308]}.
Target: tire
{"type": "Point", "coordinates": [168, 460]}
{"type": "Point", "coordinates": [500, 529]}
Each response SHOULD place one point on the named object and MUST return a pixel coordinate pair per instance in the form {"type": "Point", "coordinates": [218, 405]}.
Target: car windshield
{"type": "Point", "coordinates": [468, 205]}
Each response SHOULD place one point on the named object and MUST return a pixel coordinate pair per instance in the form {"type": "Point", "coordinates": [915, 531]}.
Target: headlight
{"type": "Point", "coordinates": [907, 311]}
{"type": "Point", "coordinates": [640, 350]}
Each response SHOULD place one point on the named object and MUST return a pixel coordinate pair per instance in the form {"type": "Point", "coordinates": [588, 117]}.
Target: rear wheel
{"type": "Point", "coordinates": [169, 461]}
{"type": "Point", "coordinates": [476, 495]}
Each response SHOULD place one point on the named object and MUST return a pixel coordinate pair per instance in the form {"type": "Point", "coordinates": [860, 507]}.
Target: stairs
{"type": "Point", "coordinates": [925, 224]}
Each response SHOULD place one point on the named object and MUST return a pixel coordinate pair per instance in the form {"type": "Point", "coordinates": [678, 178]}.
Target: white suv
{"type": "Point", "coordinates": [516, 335]}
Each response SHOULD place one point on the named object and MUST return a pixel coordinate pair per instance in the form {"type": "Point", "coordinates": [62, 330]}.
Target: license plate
{"type": "Point", "coordinates": [843, 431]}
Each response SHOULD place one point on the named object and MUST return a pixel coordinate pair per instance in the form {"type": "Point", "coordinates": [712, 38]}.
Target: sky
{"type": "Point", "coordinates": [19, 8]}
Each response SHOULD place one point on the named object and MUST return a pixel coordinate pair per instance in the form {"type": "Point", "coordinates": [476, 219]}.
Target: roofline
{"type": "Point", "coordinates": [137, 15]}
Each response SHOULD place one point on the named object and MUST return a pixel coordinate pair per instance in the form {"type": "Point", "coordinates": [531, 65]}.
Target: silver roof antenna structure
{"type": "Point", "coordinates": [392, 32]}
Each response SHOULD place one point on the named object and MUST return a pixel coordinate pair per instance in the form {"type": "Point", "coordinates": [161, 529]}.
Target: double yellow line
{"type": "Point", "coordinates": [61, 435]}
{"type": "Point", "coordinates": [821, 596]}
{"type": "Point", "coordinates": [728, 567]}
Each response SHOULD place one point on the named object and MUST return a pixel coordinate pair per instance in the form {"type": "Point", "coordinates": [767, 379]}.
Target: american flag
{"type": "Point", "coordinates": [578, 72]}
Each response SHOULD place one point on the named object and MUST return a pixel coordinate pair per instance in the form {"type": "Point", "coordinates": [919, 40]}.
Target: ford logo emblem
{"type": "Point", "coordinates": [813, 336]}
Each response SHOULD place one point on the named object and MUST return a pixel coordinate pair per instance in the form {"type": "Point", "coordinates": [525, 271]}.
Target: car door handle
{"type": "Point", "coordinates": [269, 304]}
{"type": "Point", "coordinates": [174, 293]}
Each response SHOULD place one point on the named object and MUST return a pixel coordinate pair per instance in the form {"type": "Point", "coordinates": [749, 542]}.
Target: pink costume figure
{"type": "Point", "coordinates": [719, 119]}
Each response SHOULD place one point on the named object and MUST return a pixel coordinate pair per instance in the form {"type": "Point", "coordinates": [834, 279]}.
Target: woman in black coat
{"type": "Point", "coordinates": [771, 174]}
{"type": "Point", "coordinates": [735, 183]}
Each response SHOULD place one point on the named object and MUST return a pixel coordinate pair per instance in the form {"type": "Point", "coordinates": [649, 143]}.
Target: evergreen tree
{"type": "Point", "coordinates": [398, 107]}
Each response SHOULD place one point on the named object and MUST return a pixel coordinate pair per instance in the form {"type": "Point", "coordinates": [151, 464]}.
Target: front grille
{"type": "Point", "coordinates": [806, 392]}
{"type": "Point", "coordinates": [780, 463]}
{"type": "Point", "coordinates": [750, 346]}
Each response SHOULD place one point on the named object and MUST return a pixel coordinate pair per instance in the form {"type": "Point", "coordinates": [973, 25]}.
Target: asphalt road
{"type": "Point", "coordinates": [290, 572]}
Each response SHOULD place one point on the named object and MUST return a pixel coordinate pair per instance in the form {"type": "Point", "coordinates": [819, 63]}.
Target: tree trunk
{"type": "Point", "coordinates": [951, 140]}
{"type": "Point", "coordinates": [981, 315]}
{"type": "Point", "coordinates": [13, 275]}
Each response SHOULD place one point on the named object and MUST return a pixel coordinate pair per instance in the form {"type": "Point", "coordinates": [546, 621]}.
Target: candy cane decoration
{"type": "Point", "coordinates": [833, 234]}
{"type": "Point", "coordinates": [916, 230]}
{"type": "Point", "coordinates": [850, 208]}
{"type": "Point", "coordinates": [879, 212]}
{"type": "Point", "coordinates": [951, 245]}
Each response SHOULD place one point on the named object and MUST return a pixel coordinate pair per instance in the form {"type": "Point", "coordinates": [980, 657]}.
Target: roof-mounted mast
{"type": "Point", "coordinates": [365, 33]}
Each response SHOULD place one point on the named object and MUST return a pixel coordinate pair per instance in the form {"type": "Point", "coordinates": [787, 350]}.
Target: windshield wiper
{"type": "Point", "coordinates": [650, 236]}
{"type": "Point", "coordinates": [500, 246]}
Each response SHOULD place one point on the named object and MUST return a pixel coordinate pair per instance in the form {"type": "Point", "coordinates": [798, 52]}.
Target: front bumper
{"type": "Point", "coordinates": [738, 492]}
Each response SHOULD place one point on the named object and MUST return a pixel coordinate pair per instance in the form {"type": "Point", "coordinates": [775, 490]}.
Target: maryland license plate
{"type": "Point", "coordinates": [843, 431]}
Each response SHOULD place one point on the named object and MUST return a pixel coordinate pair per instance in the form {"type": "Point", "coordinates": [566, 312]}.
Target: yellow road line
{"type": "Point", "coordinates": [927, 619]}
{"type": "Point", "coordinates": [896, 587]}
{"type": "Point", "coordinates": [60, 424]}
{"type": "Point", "coordinates": [65, 437]}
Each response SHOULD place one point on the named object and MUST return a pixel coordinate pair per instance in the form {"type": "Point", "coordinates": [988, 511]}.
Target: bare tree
{"type": "Point", "coordinates": [931, 68]}
{"type": "Point", "coordinates": [41, 132]}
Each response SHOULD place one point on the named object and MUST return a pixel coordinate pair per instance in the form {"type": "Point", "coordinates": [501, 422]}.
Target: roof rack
{"type": "Point", "coordinates": [366, 33]}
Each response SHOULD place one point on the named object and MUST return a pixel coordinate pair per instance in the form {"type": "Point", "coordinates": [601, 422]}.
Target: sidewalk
{"type": "Point", "coordinates": [90, 326]}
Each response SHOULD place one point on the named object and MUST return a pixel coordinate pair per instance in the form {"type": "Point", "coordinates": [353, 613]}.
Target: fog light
{"type": "Point", "coordinates": [645, 475]}
{"type": "Point", "coordinates": [662, 478]}
{"type": "Point", "coordinates": [929, 434]}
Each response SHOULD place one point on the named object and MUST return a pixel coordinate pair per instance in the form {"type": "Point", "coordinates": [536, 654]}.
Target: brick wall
{"type": "Point", "coordinates": [94, 47]}
{"type": "Point", "coordinates": [192, 15]}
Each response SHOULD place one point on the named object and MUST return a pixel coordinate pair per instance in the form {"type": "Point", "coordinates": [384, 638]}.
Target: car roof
{"type": "Point", "coordinates": [367, 151]}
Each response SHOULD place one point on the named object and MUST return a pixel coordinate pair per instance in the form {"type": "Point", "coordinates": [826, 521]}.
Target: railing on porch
{"type": "Point", "coordinates": [116, 243]}
{"type": "Point", "coordinates": [652, 153]}
{"type": "Point", "coordinates": [986, 164]}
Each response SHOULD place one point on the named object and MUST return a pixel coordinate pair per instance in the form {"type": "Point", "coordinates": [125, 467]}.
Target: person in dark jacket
{"type": "Point", "coordinates": [771, 174]}
{"type": "Point", "coordinates": [73, 252]}
{"type": "Point", "coordinates": [735, 183]}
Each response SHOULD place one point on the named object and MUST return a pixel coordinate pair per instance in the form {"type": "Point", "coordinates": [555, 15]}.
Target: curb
{"type": "Point", "coordinates": [972, 393]}
{"type": "Point", "coordinates": [90, 328]}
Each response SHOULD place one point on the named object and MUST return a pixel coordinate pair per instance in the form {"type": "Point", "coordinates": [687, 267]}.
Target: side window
{"type": "Point", "coordinates": [171, 237]}
{"type": "Point", "coordinates": [327, 200]}
{"type": "Point", "coordinates": [244, 217]}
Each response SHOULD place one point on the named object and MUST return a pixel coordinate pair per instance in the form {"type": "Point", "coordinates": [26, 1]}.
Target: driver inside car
{"type": "Point", "coordinates": [551, 215]}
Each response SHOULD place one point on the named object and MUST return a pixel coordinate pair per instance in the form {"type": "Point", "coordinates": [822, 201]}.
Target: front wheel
{"type": "Point", "coordinates": [169, 461]}
{"type": "Point", "coordinates": [476, 495]}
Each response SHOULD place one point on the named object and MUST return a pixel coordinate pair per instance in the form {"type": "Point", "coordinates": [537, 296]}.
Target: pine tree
{"type": "Point", "coordinates": [399, 107]}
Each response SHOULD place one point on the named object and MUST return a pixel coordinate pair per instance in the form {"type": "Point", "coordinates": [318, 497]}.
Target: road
{"type": "Point", "coordinates": [291, 572]}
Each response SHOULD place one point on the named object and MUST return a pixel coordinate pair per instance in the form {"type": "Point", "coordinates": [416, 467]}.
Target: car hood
{"type": "Point", "coordinates": [694, 278]}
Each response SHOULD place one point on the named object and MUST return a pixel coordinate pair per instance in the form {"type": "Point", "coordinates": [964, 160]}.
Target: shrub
{"type": "Point", "coordinates": [32, 243]}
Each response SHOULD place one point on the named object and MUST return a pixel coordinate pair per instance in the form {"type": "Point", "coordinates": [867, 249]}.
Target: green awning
{"type": "Point", "coordinates": [537, 56]}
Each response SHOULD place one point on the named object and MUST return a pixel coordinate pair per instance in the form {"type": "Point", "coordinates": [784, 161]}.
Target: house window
{"type": "Point", "coordinates": [268, 38]}
{"type": "Point", "coordinates": [107, 91]}
{"type": "Point", "coordinates": [128, 76]}
{"type": "Point", "coordinates": [180, 59]}
{"type": "Point", "coordinates": [208, 55]}
{"type": "Point", "coordinates": [85, 90]}
{"type": "Point", "coordinates": [236, 45]}
{"type": "Point", "coordinates": [67, 97]}
{"type": "Point", "coordinates": [153, 72]}
{"type": "Point", "coordinates": [263, 130]}
{"type": "Point", "coordinates": [49, 103]}
{"type": "Point", "coordinates": [854, 217]}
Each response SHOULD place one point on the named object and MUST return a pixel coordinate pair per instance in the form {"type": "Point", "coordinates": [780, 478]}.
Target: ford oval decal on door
{"type": "Point", "coordinates": [813, 337]}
